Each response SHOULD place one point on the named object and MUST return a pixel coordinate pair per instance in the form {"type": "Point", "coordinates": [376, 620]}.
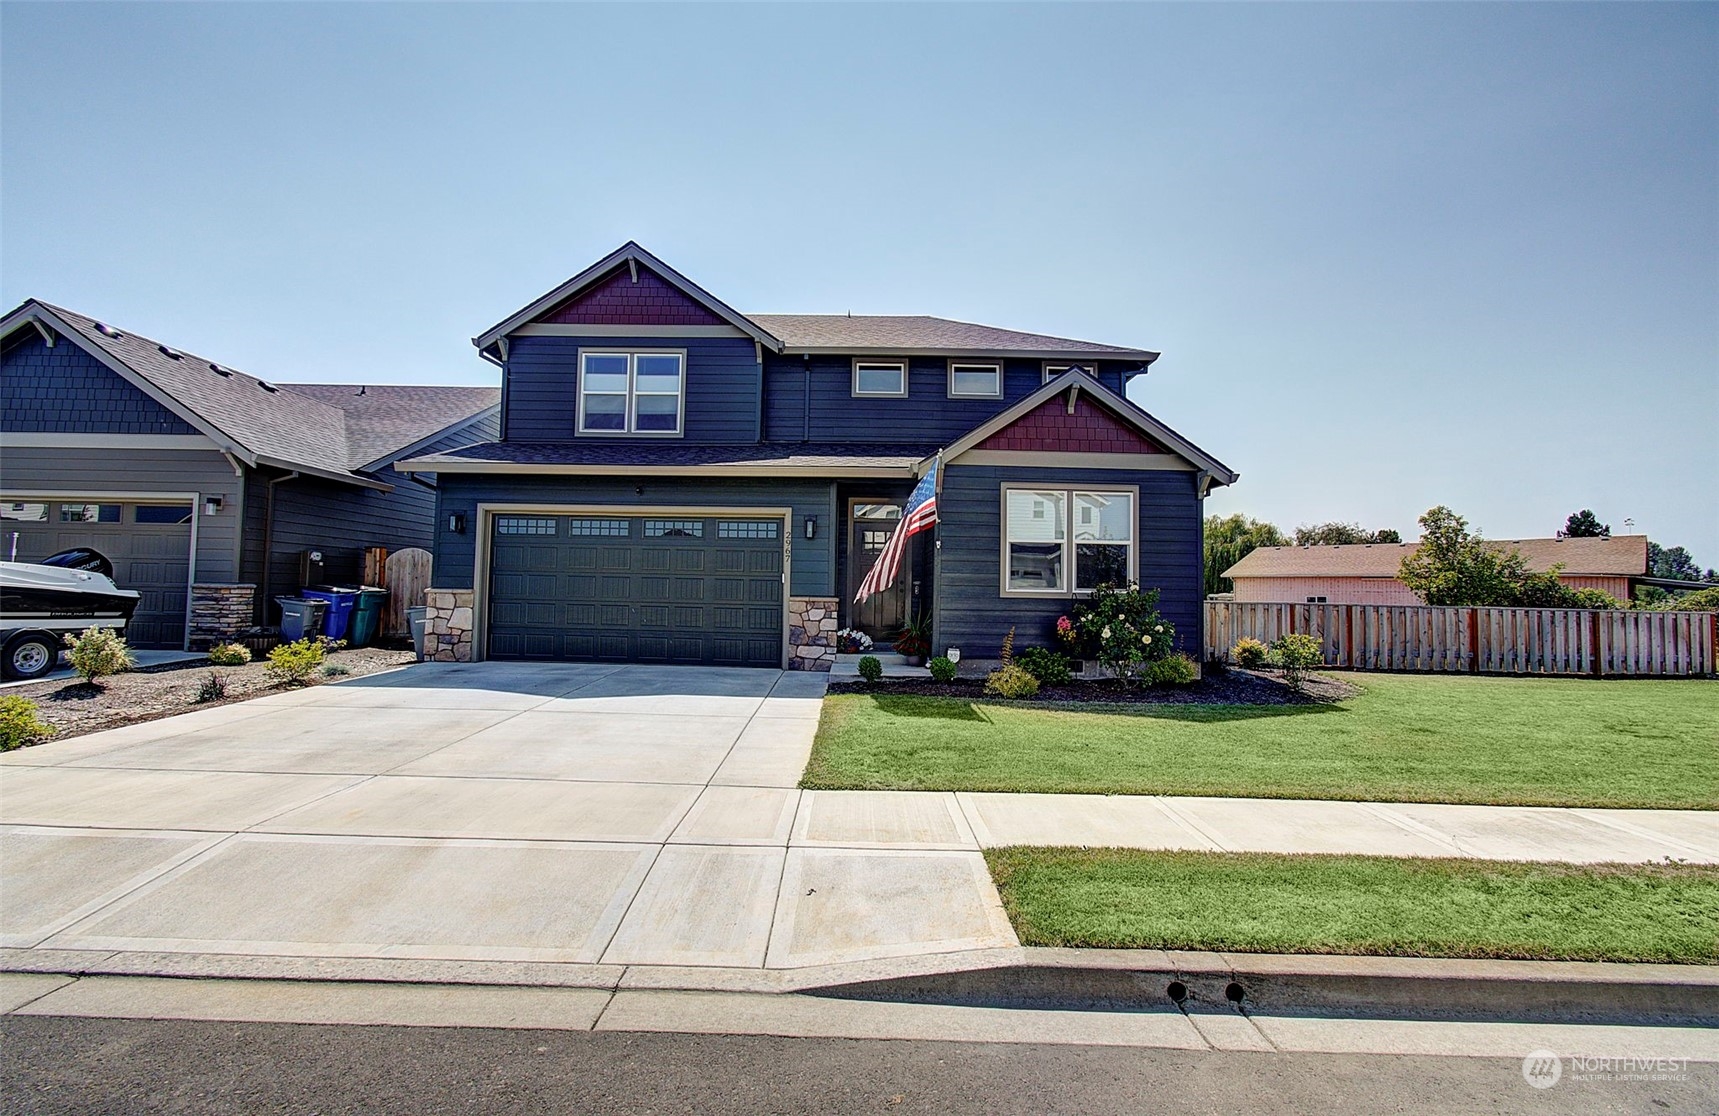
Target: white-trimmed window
{"type": "Point", "coordinates": [1061, 542]}
{"type": "Point", "coordinates": [640, 393]}
{"type": "Point", "coordinates": [1052, 371]}
{"type": "Point", "coordinates": [975, 381]}
{"type": "Point", "coordinates": [886, 378]}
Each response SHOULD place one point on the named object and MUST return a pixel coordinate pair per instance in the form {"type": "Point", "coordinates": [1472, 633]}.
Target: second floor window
{"type": "Point", "coordinates": [631, 393]}
{"type": "Point", "coordinates": [880, 377]}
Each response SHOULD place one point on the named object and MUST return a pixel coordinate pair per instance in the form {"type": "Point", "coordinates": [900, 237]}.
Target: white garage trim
{"type": "Point", "coordinates": [485, 539]}
{"type": "Point", "coordinates": [196, 498]}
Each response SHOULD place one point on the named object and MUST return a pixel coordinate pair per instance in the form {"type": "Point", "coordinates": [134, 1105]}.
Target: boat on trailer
{"type": "Point", "coordinates": [42, 601]}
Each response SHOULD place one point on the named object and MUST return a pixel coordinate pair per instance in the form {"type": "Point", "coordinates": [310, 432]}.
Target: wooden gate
{"type": "Point", "coordinates": [406, 575]}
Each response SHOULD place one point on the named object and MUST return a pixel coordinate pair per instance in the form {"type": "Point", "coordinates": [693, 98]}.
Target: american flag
{"type": "Point", "coordinates": [920, 514]}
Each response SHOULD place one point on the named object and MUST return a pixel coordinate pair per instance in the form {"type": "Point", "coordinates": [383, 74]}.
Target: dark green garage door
{"type": "Point", "coordinates": [637, 589]}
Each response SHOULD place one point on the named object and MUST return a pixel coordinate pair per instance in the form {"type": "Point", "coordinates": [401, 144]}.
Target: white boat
{"type": "Point", "coordinates": [41, 601]}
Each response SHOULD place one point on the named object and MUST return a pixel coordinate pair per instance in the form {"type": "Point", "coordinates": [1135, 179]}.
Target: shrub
{"type": "Point", "coordinates": [19, 724]}
{"type": "Point", "coordinates": [1297, 654]}
{"type": "Point", "coordinates": [1011, 681]}
{"type": "Point", "coordinates": [1249, 652]}
{"type": "Point", "coordinates": [229, 654]}
{"type": "Point", "coordinates": [942, 669]}
{"type": "Point", "coordinates": [214, 688]}
{"type": "Point", "coordinates": [1172, 670]}
{"type": "Point", "coordinates": [1702, 600]}
{"type": "Point", "coordinates": [1125, 628]}
{"type": "Point", "coordinates": [870, 668]}
{"type": "Point", "coordinates": [1593, 598]}
{"type": "Point", "coordinates": [336, 670]}
{"type": "Point", "coordinates": [1050, 668]}
{"type": "Point", "coordinates": [98, 652]}
{"type": "Point", "coordinates": [291, 664]}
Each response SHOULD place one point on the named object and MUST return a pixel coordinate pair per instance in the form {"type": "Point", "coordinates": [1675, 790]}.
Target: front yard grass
{"type": "Point", "coordinates": [1260, 903]}
{"type": "Point", "coordinates": [1402, 738]}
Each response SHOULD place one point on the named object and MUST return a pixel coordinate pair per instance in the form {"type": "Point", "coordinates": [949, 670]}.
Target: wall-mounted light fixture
{"type": "Point", "coordinates": [811, 526]}
{"type": "Point", "coordinates": [211, 505]}
{"type": "Point", "coordinates": [457, 523]}
{"type": "Point", "coordinates": [953, 654]}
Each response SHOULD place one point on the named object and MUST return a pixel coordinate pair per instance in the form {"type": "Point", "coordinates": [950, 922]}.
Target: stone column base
{"type": "Point", "coordinates": [811, 633]}
{"type": "Point", "coordinates": [448, 625]}
{"type": "Point", "coordinates": [220, 613]}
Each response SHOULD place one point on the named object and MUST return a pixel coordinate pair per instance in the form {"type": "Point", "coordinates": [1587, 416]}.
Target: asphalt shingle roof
{"type": "Point", "coordinates": [320, 426]}
{"type": "Point", "coordinates": [885, 332]}
{"type": "Point", "coordinates": [1619, 556]}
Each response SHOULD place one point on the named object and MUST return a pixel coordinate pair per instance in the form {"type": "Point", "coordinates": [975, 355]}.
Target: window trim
{"type": "Point", "coordinates": [995, 366]}
{"type": "Point", "coordinates": [630, 429]}
{"type": "Point", "coordinates": [1069, 491]}
{"type": "Point", "coordinates": [898, 362]}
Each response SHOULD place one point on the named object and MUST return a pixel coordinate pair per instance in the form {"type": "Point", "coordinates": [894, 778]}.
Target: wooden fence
{"type": "Point", "coordinates": [1592, 642]}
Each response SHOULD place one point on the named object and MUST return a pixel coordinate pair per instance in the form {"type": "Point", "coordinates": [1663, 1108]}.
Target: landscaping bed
{"type": "Point", "coordinates": [1400, 907]}
{"type": "Point", "coordinates": [75, 708]}
{"type": "Point", "coordinates": [1225, 687]}
{"type": "Point", "coordinates": [1395, 738]}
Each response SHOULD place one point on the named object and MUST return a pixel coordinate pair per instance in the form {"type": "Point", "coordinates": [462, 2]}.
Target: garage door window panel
{"type": "Point", "coordinates": [163, 513]}
{"type": "Point", "coordinates": [95, 513]}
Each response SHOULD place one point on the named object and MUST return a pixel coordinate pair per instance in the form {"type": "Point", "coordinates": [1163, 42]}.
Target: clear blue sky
{"type": "Point", "coordinates": [1393, 255]}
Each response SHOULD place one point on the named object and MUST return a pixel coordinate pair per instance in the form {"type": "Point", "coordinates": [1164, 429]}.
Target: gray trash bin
{"type": "Point", "coordinates": [418, 617]}
{"type": "Point", "coordinates": [300, 617]}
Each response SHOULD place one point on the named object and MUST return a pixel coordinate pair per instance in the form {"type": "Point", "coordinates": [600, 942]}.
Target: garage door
{"type": "Point", "coordinates": [148, 544]}
{"type": "Point", "coordinates": [637, 589]}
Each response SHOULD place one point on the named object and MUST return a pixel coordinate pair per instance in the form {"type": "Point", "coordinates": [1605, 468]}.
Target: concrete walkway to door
{"type": "Point", "coordinates": [524, 813]}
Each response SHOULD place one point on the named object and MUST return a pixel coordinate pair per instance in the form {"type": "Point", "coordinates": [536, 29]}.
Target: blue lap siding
{"type": "Point", "coordinates": [812, 560]}
{"type": "Point", "coordinates": [972, 613]}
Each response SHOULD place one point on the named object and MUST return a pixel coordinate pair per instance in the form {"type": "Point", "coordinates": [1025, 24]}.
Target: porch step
{"type": "Point", "coordinates": [849, 671]}
{"type": "Point", "coordinates": [887, 658]}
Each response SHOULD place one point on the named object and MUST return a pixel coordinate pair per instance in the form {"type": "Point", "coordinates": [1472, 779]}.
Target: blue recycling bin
{"type": "Point", "coordinates": [341, 602]}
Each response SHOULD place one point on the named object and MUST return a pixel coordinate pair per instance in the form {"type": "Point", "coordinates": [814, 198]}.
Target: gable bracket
{"type": "Point", "coordinates": [1073, 397]}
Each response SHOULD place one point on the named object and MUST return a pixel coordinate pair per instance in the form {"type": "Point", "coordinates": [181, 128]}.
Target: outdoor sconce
{"type": "Point", "coordinates": [212, 505]}
{"type": "Point", "coordinates": [457, 523]}
{"type": "Point", "coordinates": [811, 526]}
{"type": "Point", "coordinates": [953, 654]}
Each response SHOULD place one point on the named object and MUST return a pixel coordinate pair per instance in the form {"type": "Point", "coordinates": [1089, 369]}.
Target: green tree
{"type": "Point", "coordinates": [1676, 563]}
{"type": "Point", "coordinates": [1342, 534]}
{"type": "Point", "coordinates": [1586, 525]}
{"type": "Point", "coordinates": [1229, 539]}
{"type": "Point", "coordinates": [1455, 566]}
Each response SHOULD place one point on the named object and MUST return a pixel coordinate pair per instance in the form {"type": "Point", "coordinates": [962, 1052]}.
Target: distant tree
{"type": "Point", "coordinates": [1676, 563]}
{"type": "Point", "coordinates": [1455, 566]}
{"type": "Point", "coordinates": [1229, 539]}
{"type": "Point", "coordinates": [1342, 534]}
{"type": "Point", "coordinates": [1586, 525]}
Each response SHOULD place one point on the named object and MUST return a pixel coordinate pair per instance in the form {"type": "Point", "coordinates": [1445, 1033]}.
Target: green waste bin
{"type": "Point", "coordinates": [368, 616]}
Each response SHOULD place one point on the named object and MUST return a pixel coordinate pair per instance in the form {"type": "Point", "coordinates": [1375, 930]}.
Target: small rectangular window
{"type": "Point", "coordinates": [977, 381]}
{"type": "Point", "coordinates": [880, 377]}
{"type": "Point", "coordinates": [674, 528]}
{"type": "Point", "coordinates": [747, 528]}
{"type": "Point", "coordinates": [24, 513]}
{"type": "Point", "coordinates": [1052, 371]}
{"type": "Point", "coordinates": [92, 513]}
{"type": "Point", "coordinates": [599, 528]}
{"type": "Point", "coordinates": [524, 525]}
{"type": "Point", "coordinates": [162, 513]}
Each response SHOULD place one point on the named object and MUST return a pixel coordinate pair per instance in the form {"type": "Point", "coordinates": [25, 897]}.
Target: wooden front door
{"type": "Point", "coordinates": [870, 523]}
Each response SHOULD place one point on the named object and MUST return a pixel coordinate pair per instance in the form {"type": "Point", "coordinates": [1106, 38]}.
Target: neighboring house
{"type": "Point", "coordinates": [679, 482]}
{"type": "Point", "coordinates": [206, 486]}
{"type": "Point", "coordinates": [1366, 573]}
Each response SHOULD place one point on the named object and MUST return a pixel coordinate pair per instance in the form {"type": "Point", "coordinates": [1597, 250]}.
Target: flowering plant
{"type": "Point", "coordinates": [852, 641]}
{"type": "Point", "coordinates": [1125, 628]}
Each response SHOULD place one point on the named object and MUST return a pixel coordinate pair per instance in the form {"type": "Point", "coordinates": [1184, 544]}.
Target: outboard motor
{"type": "Point", "coordinates": [80, 558]}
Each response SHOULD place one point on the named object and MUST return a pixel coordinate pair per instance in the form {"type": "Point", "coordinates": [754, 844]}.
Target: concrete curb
{"type": "Point", "coordinates": [1068, 979]}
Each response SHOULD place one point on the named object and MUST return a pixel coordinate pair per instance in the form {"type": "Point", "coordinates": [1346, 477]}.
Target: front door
{"type": "Point", "coordinates": [870, 523]}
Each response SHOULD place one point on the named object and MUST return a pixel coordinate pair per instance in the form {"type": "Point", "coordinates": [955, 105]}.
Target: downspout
{"type": "Point", "coordinates": [758, 423]}
{"type": "Point", "coordinates": [806, 431]}
{"type": "Point", "coordinates": [269, 536]}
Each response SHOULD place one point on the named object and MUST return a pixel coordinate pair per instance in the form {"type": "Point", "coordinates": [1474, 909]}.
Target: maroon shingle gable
{"type": "Point", "coordinates": [618, 300]}
{"type": "Point", "coordinates": [1049, 428]}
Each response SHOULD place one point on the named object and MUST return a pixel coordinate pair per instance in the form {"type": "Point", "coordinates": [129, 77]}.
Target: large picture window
{"type": "Point", "coordinates": [1061, 542]}
{"type": "Point", "coordinates": [631, 393]}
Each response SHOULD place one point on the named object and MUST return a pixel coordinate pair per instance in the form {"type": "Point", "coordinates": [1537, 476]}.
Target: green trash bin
{"type": "Point", "coordinates": [367, 618]}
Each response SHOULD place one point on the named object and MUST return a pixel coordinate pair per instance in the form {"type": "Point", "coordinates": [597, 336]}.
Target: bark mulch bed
{"type": "Point", "coordinates": [1217, 687]}
{"type": "Point", "coordinates": [75, 707]}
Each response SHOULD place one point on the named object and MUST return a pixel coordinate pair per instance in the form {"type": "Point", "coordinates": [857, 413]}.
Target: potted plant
{"type": "Point", "coordinates": [913, 642]}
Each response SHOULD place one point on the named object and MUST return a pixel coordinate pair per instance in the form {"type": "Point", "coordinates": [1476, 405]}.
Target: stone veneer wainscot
{"type": "Point", "coordinates": [811, 633]}
{"type": "Point", "coordinates": [220, 612]}
{"type": "Point", "coordinates": [448, 625]}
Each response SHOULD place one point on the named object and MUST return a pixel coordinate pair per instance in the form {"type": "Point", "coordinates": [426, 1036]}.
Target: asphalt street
{"type": "Point", "coordinates": [118, 1066]}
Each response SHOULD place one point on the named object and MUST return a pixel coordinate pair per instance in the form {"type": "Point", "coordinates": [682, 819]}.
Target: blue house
{"type": "Point", "coordinates": [678, 482]}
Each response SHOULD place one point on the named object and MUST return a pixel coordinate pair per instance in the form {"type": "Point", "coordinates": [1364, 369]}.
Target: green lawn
{"type": "Point", "coordinates": [1534, 741]}
{"type": "Point", "coordinates": [1258, 903]}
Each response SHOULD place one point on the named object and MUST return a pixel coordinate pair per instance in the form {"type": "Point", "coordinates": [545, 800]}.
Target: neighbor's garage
{"type": "Point", "coordinates": [149, 545]}
{"type": "Point", "coordinates": [669, 589]}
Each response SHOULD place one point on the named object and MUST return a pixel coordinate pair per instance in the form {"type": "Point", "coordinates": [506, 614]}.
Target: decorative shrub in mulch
{"type": "Point", "coordinates": [1218, 687]}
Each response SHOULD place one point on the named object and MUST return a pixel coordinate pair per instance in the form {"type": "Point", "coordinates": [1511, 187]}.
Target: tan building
{"type": "Point", "coordinates": [1366, 573]}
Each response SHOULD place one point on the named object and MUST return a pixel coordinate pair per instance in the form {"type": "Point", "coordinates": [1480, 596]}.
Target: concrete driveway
{"type": "Point", "coordinates": [631, 816]}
